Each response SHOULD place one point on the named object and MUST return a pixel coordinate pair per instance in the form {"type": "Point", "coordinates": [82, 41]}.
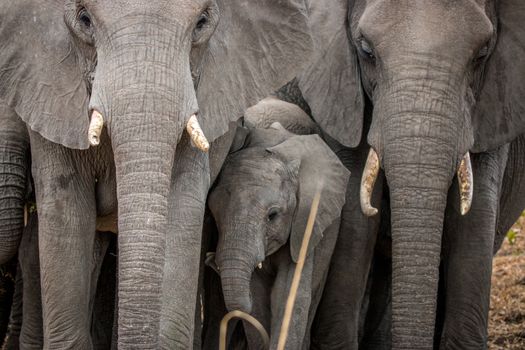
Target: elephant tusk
{"type": "Point", "coordinates": [466, 184]}
{"type": "Point", "coordinates": [259, 265]}
{"type": "Point", "coordinates": [367, 183]}
{"type": "Point", "coordinates": [95, 128]}
{"type": "Point", "coordinates": [197, 136]}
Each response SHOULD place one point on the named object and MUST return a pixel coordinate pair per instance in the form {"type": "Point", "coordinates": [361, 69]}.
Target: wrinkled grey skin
{"type": "Point", "coordinates": [25, 328]}
{"type": "Point", "coordinates": [443, 80]}
{"type": "Point", "coordinates": [259, 198]}
{"type": "Point", "coordinates": [14, 163]}
{"type": "Point", "coordinates": [146, 67]}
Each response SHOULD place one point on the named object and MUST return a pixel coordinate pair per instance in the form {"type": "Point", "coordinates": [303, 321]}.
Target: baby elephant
{"type": "Point", "coordinates": [261, 203]}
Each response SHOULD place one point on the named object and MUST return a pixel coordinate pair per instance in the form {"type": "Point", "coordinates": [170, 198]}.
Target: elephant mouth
{"type": "Point", "coordinates": [371, 171]}
{"type": "Point", "coordinates": [193, 128]}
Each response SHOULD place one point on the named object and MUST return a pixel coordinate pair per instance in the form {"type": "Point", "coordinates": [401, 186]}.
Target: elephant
{"type": "Point", "coordinates": [427, 97]}
{"type": "Point", "coordinates": [107, 90]}
{"type": "Point", "coordinates": [260, 203]}
{"type": "Point", "coordinates": [26, 323]}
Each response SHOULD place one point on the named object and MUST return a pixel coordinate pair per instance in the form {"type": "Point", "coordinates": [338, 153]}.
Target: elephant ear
{"type": "Point", "coordinates": [318, 165]}
{"type": "Point", "coordinates": [499, 115]}
{"type": "Point", "coordinates": [331, 81]}
{"type": "Point", "coordinates": [257, 46]}
{"type": "Point", "coordinates": [39, 74]}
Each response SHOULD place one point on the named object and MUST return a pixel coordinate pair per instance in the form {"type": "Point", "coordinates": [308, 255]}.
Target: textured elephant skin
{"type": "Point", "coordinates": [423, 88]}
{"type": "Point", "coordinates": [144, 70]}
{"type": "Point", "coordinates": [254, 240]}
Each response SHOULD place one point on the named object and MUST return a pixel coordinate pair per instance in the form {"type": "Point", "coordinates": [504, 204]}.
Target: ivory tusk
{"type": "Point", "coordinates": [259, 265]}
{"type": "Point", "coordinates": [197, 136]}
{"type": "Point", "coordinates": [466, 184]}
{"type": "Point", "coordinates": [367, 183]}
{"type": "Point", "coordinates": [95, 128]}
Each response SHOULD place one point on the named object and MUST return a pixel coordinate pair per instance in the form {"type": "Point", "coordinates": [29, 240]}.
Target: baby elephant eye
{"type": "Point", "coordinates": [272, 214]}
{"type": "Point", "coordinates": [365, 48]}
{"type": "Point", "coordinates": [483, 52]}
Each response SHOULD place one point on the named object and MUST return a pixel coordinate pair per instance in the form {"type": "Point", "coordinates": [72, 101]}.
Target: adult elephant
{"type": "Point", "coordinates": [425, 84]}
{"type": "Point", "coordinates": [147, 71]}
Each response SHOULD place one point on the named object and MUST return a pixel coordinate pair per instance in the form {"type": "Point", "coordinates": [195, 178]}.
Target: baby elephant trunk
{"type": "Point", "coordinates": [236, 288]}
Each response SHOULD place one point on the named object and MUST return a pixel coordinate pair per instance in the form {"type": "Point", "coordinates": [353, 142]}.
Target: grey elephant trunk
{"type": "Point", "coordinates": [14, 162]}
{"type": "Point", "coordinates": [237, 257]}
{"type": "Point", "coordinates": [420, 156]}
{"type": "Point", "coordinates": [145, 109]}
{"type": "Point", "coordinates": [236, 287]}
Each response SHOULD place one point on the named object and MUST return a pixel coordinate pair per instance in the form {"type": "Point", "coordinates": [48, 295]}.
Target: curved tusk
{"type": "Point", "coordinates": [197, 136]}
{"type": "Point", "coordinates": [466, 184]}
{"type": "Point", "coordinates": [95, 128]}
{"type": "Point", "coordinates": [367, 183]}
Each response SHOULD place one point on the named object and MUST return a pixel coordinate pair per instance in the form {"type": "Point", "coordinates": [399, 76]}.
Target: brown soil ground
{"type": "Point", "coordinates": [507, 300]}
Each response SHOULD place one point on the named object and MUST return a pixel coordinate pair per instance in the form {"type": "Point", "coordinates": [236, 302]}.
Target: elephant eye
{"type": "Point", "coordinates": [366, 49]}
{"type": "Point", "coordinates": [203, 19]}
{"type": "Point", "coordinates": [84, 17]}
{"type": "Point", "coordinates": [272, 214]}
{"type": "Point", "coordinates": [205, 25]}
{"type": "Point", "coordinates": [483, 52]}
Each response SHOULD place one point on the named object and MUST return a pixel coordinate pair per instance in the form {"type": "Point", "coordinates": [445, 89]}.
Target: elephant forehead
{"type": "Point", "coordinates": [255, 166]}
{"type": "Point", "coordinates": [179, 11]}
{"type": "Point", "coordinates": [425, 24]}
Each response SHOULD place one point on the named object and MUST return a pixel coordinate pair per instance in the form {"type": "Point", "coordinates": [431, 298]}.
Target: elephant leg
{"type": "Point", "coordinates": [67, 217]}
{"type": "Point", "coordinates": [31, 335]}
{"type": "Point", "coordinates": [337, 320]}
{"type": "Point", "coordinates": [11, 308]}
{"type": "Point", "coordinates": [512, 202]}
{"type": "Point", "coordinates": [323, 256]}
{"type": "Point", "coordinates": [280, 293]}
{"type": "Point", "coordinates": [467, 254]}
{"type": "Point", "coordinates": [377, 324]}
{"type": "Point", "coordinates": [190, 184]}
{"type": "Point", "coordinates": [103, 292]}
{"type": "Point", "coordinates": [114, 337]}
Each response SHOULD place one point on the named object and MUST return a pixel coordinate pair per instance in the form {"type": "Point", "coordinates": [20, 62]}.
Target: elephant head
{"type": "Point", "coordinates": [147, 71]}
{"type": "Point", "coordinates": [262, 199]}
{"type": "Point", "coordinates": [444, 79]}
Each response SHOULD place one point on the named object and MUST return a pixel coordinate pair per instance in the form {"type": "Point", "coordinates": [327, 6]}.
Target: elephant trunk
{"type": "Point", "coordinates": [146, 97]}
{"type": "Point", "coordinates": [236, 278]}
{"type": "Point", "coordinates": [420, 156]}
{"type": "Point", "coordinates": [239, 252]}
{"type": "Point", "coordinates": [143, 179]}
{"type": "Point", "coordinates": [14, 162]}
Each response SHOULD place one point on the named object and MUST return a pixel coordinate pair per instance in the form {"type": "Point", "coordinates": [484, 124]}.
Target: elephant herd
{"type": "Point", "coordinates": [169, 153]}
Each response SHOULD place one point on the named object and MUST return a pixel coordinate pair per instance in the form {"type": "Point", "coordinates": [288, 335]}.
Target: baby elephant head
{"type": "Point", "coordinates": [262, 200]}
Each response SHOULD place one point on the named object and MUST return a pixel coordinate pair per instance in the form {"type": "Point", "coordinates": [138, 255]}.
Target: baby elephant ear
{"type": "Point", "coordinates": [318, 165]}
{"type": "Point", "coordinates": [499, 115]}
